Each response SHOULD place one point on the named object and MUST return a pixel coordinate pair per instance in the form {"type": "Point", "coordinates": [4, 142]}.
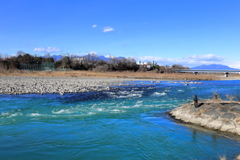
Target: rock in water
{"type": "Point", "coordinates": [216, 115]}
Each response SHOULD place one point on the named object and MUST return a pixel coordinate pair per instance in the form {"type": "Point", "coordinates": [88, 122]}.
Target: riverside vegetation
{"type": "Point", "coordinates": [90, 62]}
{"type": "Point", "coordinates": [93, 66]}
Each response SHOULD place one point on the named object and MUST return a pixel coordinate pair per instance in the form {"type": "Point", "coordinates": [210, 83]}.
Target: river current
{"type": "Point", "coordinates": [126, 123]}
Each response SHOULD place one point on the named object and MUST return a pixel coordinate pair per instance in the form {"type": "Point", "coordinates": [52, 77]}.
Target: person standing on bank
{"type": "Point", "coordinates": [195, 101]}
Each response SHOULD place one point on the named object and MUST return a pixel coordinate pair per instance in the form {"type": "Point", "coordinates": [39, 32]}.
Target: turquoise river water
{"type": "Point", "coordinates": [126, 123]}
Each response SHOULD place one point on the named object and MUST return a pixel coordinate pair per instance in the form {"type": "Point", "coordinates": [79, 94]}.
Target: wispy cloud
{"type": "Point", "coordinates": [234, 64]}
{"type": "Point", "coordinates": [108, 29]}
{"type": "Point", "coordinates": [191, 60]}
{"type": "Point", "coordinates": [47, 49]}
{"type": "Point", "coordinates": [207, 57]}
{"type": "Point", "coordinates": [94, 26]}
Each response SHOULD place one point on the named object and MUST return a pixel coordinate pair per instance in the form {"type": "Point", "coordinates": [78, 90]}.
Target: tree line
{"type": "Point", "coordinates": [90, 62]}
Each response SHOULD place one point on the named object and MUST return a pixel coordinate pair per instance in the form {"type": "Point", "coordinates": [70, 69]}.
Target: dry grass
{"type": "Point", "coordinates": [132, 75]}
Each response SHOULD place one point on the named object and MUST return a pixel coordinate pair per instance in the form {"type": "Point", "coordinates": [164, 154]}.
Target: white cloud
{"type": "Point", "coordinates": [191, 60]}
{"type": "Point", "coordinates": [108, 29]}
{"type": "Point", "coordinates": [47, 49]}
{"type": "Point", "coordinates": [233, 64]}
{"type": "Point", "coordinates": [207, 57]}
{"type": "Point", "coordinates": [94, 25]}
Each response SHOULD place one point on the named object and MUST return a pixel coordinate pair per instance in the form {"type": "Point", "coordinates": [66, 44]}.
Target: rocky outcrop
{"type": "Point", "coordinates": [216, 115]}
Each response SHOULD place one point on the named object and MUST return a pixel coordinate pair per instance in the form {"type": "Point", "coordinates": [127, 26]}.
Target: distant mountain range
{"type": "Point", "coordinates": [58, 57]}
{"type": "Point", "coordinates": [108, 59]}
{"type": "Point", "coordinates": [214, 67]}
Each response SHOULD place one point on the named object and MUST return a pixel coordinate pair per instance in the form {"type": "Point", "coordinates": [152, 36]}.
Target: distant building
{"type": "Point", "coordinates": [148, 65]}
{"type": "Point", "coordinates": [78, 60]}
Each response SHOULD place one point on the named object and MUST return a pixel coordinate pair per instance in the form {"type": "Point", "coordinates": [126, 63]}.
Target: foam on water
{"type": "Point", "coordinates": [100, 109]}
{"type": "Point", "coordinates": [125, 94]}
{"type": "Point", "coordinates": [159, 93]}
{"type": "Point", "coordinates": [63, 111]}
{"type": "Point", "coordinates": [130, 123]}
{"type": "Point", "coordinates": [35, 114]}
{"type": "Point", "coordinates": [116, 110]}
{"type": "Point", "coordinates": [91, 113]}
{"type": "Point", "coordinates": [10, 114]}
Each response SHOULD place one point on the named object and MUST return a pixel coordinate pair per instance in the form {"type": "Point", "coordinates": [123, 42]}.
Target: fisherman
{"type": "Point", "coordinates": [195, 101]}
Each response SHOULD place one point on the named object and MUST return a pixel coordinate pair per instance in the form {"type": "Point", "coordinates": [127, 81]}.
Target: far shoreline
{"type": "Point", "coordinates": [149, 75]}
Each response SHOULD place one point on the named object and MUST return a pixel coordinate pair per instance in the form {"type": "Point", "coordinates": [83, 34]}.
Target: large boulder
{"type": "Point", "coordinates": [216, 115]}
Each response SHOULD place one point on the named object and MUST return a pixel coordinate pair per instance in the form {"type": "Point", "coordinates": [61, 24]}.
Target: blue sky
{"type": "Point", "coordinates": [187, 32]}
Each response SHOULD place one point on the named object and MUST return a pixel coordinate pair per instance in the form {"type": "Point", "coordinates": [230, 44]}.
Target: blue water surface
{"type": "Point", "coordinates": [130, 122]}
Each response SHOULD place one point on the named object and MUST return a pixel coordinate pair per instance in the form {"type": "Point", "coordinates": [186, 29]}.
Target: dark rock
{"type": "Point", "coordinates": [228, 116]}
{"type": "Point", "coordinates": [213, 113]}
{"type": "Point", "coordinates": [235, 109]}
{"type": "Point", "coordinates": [236, 106]}
{"type": "Point", "coordinates": [224, 110]}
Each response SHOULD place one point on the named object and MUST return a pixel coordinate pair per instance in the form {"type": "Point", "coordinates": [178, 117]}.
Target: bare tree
{"type": "Point", "coordinates": [230, 97]}
{"type": "Point", "coordinates": [66, 62]}
{"type": "Point", "coordinates": [216, 96]}
{"type": "Point", "coordinates": [114, 60]}
{"type": "Point", "coordinates": [47, 55]}
{"type": "Point", "coordinates": [90, 60]}
{"type": "Point", "coordinates": [179, 66]}
{"type": "Point", "coordinates": [168, 69]}
{"type": "Point", "coordinates": [6, 56]}
{"type": "Point", "coordinates": [91, 57]}
{"type": "Point", "coordinates": [20, 53]}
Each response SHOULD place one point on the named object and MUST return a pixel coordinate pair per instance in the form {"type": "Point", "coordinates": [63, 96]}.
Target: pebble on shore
{"type": "Point", "coordinates": [61, 85]}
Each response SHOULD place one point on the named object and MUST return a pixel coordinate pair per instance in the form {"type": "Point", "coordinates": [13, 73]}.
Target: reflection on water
{"type": "Point", "coordinates": [126, 123]}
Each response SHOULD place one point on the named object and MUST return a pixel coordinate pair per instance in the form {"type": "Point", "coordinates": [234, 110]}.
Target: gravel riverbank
{"type": "Point", "coordinates": [61, 85]}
